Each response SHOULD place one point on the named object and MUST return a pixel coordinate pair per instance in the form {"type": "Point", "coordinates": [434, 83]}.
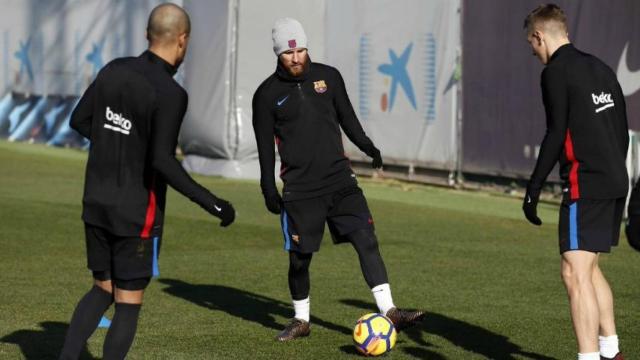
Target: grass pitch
{"type": "Point", "coordinates": [489, 280]}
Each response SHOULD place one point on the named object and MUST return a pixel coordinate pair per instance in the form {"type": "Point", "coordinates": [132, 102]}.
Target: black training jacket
{"type": "Point", "coordinates": [304, 116]}
{"type": "Point", "coordinates": [132, 114]}
{"type": "Point", "coordinates": [586, 127]}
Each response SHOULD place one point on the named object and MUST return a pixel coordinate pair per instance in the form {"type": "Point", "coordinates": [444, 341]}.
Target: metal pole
{"type": "Point", "coordinates": [459, 122]}
{"type": "Point", "coordinates": [234, 118]}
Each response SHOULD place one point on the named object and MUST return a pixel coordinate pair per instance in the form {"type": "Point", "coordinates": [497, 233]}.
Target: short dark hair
{"type": "Point", "coordinates": [546, 13]}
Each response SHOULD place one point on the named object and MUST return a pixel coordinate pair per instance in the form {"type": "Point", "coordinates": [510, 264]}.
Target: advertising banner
{"type": "Point", "coordinates": [503, 114]}
{"type": "Point", "coordinates": [399, 64]}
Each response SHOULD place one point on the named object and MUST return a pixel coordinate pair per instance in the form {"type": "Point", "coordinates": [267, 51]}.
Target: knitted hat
{"type": "Point", "coordinates": [288, 34]}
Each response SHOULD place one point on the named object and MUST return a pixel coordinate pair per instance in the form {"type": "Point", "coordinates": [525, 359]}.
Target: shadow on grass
{"type": "Point", "coordinates": [349, 349]}
{"type": "Point", "coordinates": [467, 336]}
{"type": "Point", "coordinates": [239, 303]}
{"type": "Point", "coordinates": [42, 344]}
{"type": "Point", "coordinates": [420, 353]}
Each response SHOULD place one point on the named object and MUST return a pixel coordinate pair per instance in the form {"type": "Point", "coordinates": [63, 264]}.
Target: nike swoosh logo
{"type": "Point", "coordinates": [629, 80]}
{"type": "Point", "coordinates": [217, 208]}
{"type": "Point", "coordinates": [280, 102]}
{"type": "Point", "coordinates": [528, 199]}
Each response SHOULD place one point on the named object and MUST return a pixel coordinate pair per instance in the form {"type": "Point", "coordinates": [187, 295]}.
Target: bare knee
{"type": "Point", "coordinates": [130, 291]}
{"type": "Point", "coordinates": [105, 285]}
{"type": "Point", "coordinates": [576, 279]}
{"type": "Point", "coordinates": [129, 296]}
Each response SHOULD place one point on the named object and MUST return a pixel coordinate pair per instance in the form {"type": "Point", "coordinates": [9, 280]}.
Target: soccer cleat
{"type": "Point", "coordinates": [403, 319]}
{"type": "Point", "coordinates": [296, 328]}
{"type": "Point", "coordinates": [617, 357]}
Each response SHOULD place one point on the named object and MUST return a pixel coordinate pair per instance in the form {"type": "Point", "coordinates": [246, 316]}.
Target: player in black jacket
{"type": "Point", "coordinates": [303, 106]}
{"type": "Point", "coordinates": [587, 133]}
{"type": "Point", "coordinates": [132, 114]}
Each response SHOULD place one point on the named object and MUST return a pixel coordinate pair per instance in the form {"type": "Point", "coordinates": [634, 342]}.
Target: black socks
{"type": "Point", "coordinates": [299, 274]}
{"type": "Point", "coordinates": [122, 331]}
{"type": "Point", "coordinates": [366, 245]}
{"type": "Point", "coordinates": [84, 321]}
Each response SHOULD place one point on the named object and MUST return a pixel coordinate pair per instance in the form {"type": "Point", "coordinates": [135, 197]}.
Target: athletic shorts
{"type": "Point", "coordinates": [303, 221]}
{"type": "Point", "coordinates": [122, 259]}
{"type": "Point", "coordinates": [591, 225]}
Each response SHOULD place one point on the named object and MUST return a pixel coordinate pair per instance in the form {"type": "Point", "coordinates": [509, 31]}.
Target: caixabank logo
{"type": "Point", "coordinates": [24, 55]}
{"type": "Point", "coordinates": [40, 93]}
{"type": "Point", "coordinates": [397, 77]}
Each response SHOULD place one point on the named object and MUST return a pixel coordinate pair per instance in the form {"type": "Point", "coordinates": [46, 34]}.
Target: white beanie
{"type": "Point", "coordinates": [288, 34]}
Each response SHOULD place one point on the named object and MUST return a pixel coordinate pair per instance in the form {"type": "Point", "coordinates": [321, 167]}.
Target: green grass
{"type": "Point", "coordinates": [488, 279]}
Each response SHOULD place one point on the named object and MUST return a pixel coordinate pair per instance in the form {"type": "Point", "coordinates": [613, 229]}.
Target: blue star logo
{"type": "Point", "coordinates": [23, 56]}
{"type": "Point", "coordinates": [95, 57]}
{"type": "Point", "coordinates": [397, 69]}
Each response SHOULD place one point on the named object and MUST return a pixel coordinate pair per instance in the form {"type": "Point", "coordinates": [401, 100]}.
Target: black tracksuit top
{"type": "Point", "coordinates": [586, 127]}
{"type": "Point", "coordinates": [304, 115]}
{"type": "Point", "coordinates": [132, 115]}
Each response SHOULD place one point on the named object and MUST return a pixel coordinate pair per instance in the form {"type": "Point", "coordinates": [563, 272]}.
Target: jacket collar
{"type": "Point", "coordinates": [562, 50]}
{"type": "Point", "coordinates": [157, 60]}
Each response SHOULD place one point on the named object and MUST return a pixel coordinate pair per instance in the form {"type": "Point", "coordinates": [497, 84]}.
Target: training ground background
{"type": "Point", "coordinates": [489, 280]}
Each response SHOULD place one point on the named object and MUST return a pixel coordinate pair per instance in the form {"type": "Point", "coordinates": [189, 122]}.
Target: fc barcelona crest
{"type": "Point", "coordinates": [320, 86]}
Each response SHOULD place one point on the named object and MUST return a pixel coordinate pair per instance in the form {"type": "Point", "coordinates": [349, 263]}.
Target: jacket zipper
{"type": "Point", "coordinates": [120, 156]}
{"type": "Point", "coordinates": [300, 90]}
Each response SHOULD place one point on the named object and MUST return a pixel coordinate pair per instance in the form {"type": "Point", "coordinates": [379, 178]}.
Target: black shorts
{"type": "Point", "coordinates": [122, 259]}
{"type": "Point", "coordinates": [303, 221]}
{"type": "Point", "coordinates": [591, 225]}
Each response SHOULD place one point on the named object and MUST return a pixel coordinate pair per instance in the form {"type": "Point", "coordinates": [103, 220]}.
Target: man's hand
{"type": "Point", "coordinates": [530, 207]}
{"type": "Point", "coordinates": [377, 159]}
{"type": "Point", "coordinates": [273, 202]}
{"type": "Point", "coordinates": [225, 211]}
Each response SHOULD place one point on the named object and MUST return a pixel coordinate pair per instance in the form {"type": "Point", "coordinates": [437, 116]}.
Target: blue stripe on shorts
{"type": "Point", "coordinates": [285, 230]}
{"type": "Point", "coordinates": [573, 226]}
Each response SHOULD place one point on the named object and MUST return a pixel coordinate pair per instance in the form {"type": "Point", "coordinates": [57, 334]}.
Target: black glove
{"type": "Point", "coordinates": [273, 202]}
{"type": "Point", "coordinates": [224, 210]}
{"type": "Point", "coordinates": [377, 159]}
{"type": "Point", "coordinates": [632, 230]}
{"type": "Point", "coordinates": [530, 206]}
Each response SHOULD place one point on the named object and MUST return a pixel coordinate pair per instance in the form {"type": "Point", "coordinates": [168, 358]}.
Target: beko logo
{"type": "Point", "coordinates": [120, 123]}
{"type": "Point", "coordinates": [602, 99]}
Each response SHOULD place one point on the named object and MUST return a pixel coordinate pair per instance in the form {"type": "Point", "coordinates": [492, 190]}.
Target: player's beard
{"type": "Point", "coordinates": [300, 68]}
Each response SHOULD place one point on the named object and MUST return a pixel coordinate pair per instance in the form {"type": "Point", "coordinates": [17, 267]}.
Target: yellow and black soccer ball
{"type": "Point", "coordinates": [374, 334]}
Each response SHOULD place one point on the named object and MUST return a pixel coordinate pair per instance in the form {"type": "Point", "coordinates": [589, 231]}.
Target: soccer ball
{"type": "Point", "coordinates": [374, 334]}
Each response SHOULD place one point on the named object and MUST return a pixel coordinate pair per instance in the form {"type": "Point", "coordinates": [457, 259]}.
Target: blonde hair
{"type": "Point", "coordinates": [550, 17]}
